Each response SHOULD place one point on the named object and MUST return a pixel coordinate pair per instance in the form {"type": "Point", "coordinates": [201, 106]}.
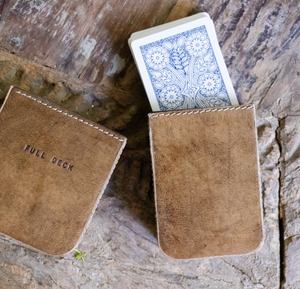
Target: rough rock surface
{"type": "Point", "coordinates": [51, 48]}
{"type": "Point", "coordinates": [290, 198]}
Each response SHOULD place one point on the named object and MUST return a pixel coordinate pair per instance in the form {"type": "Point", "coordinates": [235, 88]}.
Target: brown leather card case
{"type": "Point", "coordinates": [206, 181]}
{"type": "Point", "coordinates": [54, 168]}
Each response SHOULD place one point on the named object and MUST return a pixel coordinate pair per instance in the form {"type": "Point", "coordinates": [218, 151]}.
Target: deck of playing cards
{"type": "Point", "coordinates": [181, 65]}
{"type": "Point", "coordinates": [204, 159]}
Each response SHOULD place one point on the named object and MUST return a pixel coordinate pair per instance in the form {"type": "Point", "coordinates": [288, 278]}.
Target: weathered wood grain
{"type": "Point", "coordinates": [86, 39]}
{"type": "Point", "coordinates": [75, 53]}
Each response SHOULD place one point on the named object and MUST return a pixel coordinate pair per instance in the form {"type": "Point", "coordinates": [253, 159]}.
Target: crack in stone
{"type": "Point", "coordinates": [253, 95]}
{"type": "Point", "coordinates": [132, 230]}
{"type": "Point", "coordinates": [269, 87]}
{"type": "Point", "coordinates": [177, 279]}
{"type": "Point", "coordinates": [281, 211]}
{"type": "Point", "coordinates": [56, 283]}
{"type": "Point", "coordinates": [292, 236]}
{"type": "Point", "coordinates": [163, 273]}
{"type": "Point", "coordinates": [295, 169]}
{"type": "Point", "coordinates": [220, 280]}
{"type": "Point", "coordinates": [244, 273]}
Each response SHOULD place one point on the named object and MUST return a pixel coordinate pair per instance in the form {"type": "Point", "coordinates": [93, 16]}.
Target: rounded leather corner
{"type": "Point", "coordinates": [258, 246]}
{"type": "Point", "coordinates": [165, 253]}
{"type": "Point", "coordinates": [176, 256]}
{"type": "Point", "coordinates": [61, 252]}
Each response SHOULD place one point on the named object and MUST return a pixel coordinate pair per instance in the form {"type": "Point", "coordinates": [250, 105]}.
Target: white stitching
{"type": "Point", "coordinates": [203, 110]}
{"type": "Point", "coordinates": [70, 115]}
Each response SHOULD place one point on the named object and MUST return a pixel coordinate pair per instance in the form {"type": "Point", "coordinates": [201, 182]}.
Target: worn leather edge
{"type": "Point", "coordinates": [124, 141]}
{"type": "Point", "coordinates": [196, 111]}
{"type": "Point", "coordinates": [193, 111]}
{"type": "Point", "coordinates": [259, 185]}
{"type": "Point", "coordinates": [66, 112]}
{"type": "Point", "coordinates": [99, 197]}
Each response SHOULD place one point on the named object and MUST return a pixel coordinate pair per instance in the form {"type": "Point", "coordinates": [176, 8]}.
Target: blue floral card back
{"type": "Point", "coordinates": [182, 67]}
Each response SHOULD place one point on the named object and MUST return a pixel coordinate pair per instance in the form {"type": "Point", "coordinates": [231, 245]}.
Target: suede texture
{"type": "Point", "coordinates": [54, 168]}
{"type": "Point", "coordinates": [206, 181]}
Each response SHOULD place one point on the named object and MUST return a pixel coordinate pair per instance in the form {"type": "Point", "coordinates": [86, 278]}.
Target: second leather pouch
{"type": "Point", "coordinates": [206, 181]}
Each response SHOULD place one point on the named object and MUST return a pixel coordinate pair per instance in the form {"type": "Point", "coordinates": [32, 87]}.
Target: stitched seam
{"type": "Point", "coordinates": [72, 116]}
{"type": "Point", "coordinates": [204, 110]}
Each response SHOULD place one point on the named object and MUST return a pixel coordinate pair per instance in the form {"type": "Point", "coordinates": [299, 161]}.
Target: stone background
{"type": "Point", "coordinates": [75, 53]}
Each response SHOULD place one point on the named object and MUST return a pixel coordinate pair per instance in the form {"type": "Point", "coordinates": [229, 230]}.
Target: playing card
{"type": "Point", "coordinates": [181, 65]}
{"type": "Point", "coordinates": [165, 26]}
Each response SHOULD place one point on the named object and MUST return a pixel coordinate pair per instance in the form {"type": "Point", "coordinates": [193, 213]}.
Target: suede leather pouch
{"type": "Point", "coordinates": [206, 181]}
{"type": "Point", "coordinates": [54, 168]}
